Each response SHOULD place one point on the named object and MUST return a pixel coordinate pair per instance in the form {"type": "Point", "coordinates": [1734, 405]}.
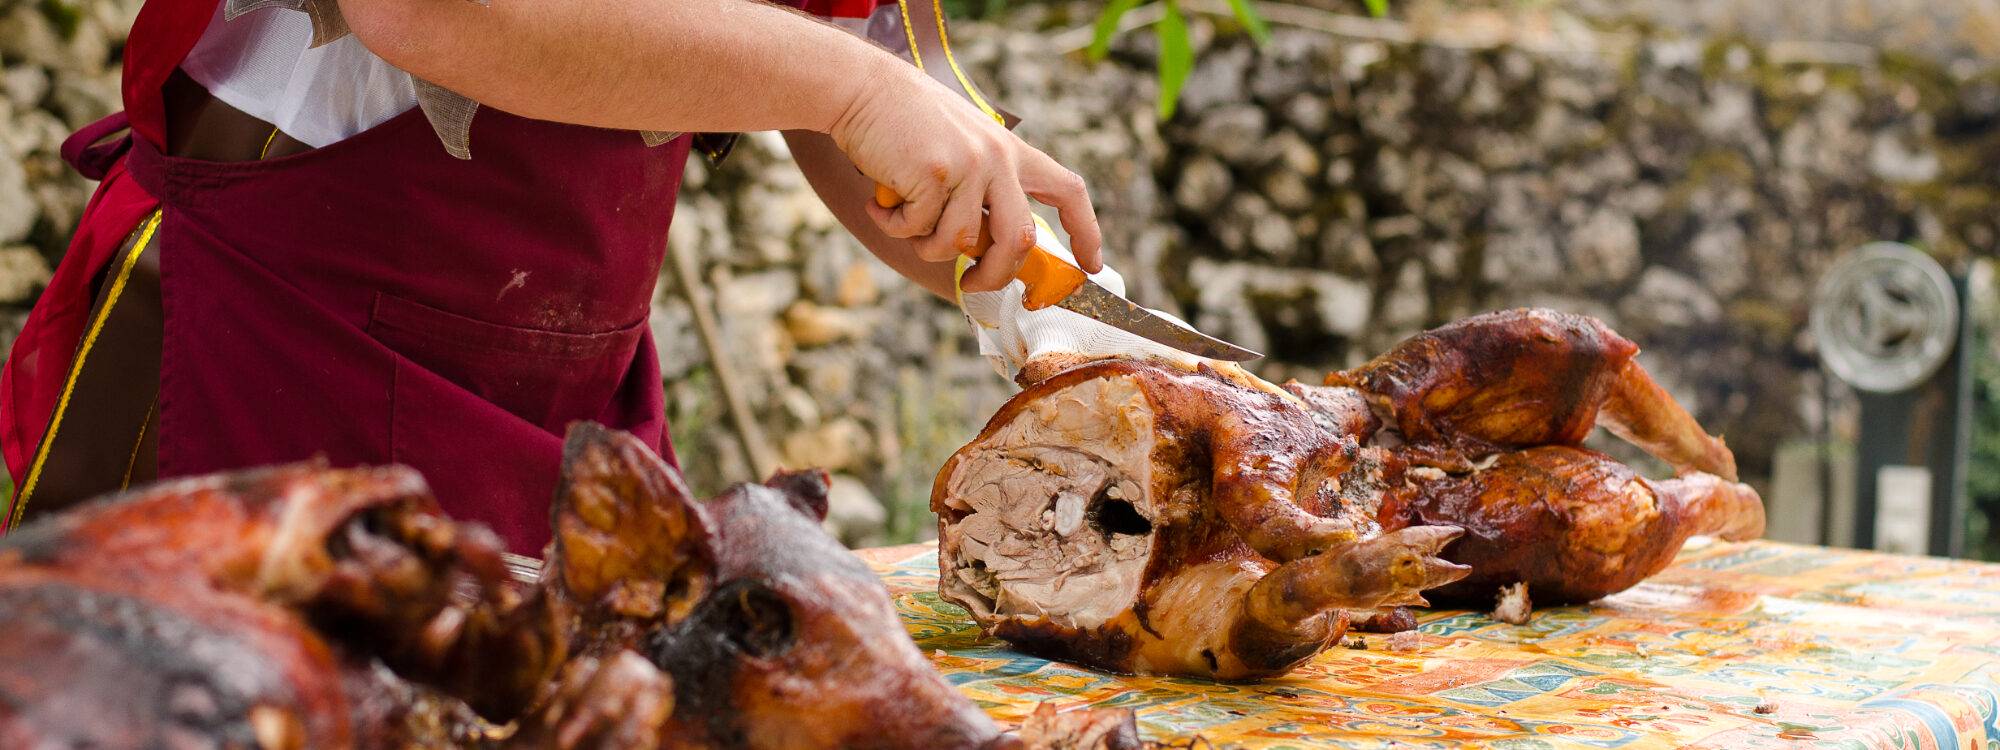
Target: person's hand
{"type": "Point", "coordinates": [959, 173]}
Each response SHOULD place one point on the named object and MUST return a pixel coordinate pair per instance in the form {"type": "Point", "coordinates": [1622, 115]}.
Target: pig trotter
{"type": "Point", "coordinates": [1076, 729]}
{"type": "Point", "coordinates": [619, 702]}
{"type": "Point", "coordinates": [1386, 571]}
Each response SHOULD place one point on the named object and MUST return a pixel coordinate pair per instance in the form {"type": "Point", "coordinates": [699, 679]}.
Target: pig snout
{"type": "Point", "coordinates": [948, 721]}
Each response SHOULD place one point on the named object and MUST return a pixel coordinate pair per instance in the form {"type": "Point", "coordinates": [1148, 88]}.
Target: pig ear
{"type": "Point", "coordinates": [631, 542]}
{"type": "Point", "coordinates": [805, 489]}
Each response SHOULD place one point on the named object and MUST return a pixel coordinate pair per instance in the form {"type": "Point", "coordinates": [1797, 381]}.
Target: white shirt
{"type": "Point", "coordinates": [260, 63]}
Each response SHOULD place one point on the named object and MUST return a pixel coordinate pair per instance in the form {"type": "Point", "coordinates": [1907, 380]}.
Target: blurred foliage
{"type": "Point", "coordinates": [1982, 476]}
{"type": "Point", "coordinates": [930, 425]}
{"type": "Point", "coordinates": [696, 418]}
{"type": "Point", "coordinates": [1176, 52]}
{"type": "Point", "coordinates": [66, 15]}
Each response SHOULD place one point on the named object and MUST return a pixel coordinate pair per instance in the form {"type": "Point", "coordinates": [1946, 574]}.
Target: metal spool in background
{"type": "Point", "coordinates": [1888, 321]}
{"type": "Point", "coordinates": [1885, 317]}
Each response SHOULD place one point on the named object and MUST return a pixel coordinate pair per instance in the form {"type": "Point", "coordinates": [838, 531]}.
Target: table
{"type": "Point", "coordinates": [1757, 645]}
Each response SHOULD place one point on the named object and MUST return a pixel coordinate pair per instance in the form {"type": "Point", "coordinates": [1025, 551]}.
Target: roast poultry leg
{"type": "Point", "coordinates": [1642, 413]}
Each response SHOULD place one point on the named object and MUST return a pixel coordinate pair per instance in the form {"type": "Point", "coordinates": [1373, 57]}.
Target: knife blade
{"type": "Point", "coordinates": [1052, 281]}
{"type": "Point", "coordinates": [1098, 303]}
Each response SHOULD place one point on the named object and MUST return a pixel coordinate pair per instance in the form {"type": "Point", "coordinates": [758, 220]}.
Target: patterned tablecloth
{"type": "Point", "coordinates": [1736, 646]}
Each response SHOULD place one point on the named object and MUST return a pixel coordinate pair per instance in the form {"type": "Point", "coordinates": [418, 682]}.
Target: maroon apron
{"type": "Point", "coordinates": [377, 300]}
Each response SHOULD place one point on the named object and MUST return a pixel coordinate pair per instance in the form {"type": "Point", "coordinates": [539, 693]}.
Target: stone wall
{"type": "Point", "coordinates": [1332, 195]}
{"type": "Point", "coordinates": [60, 72]}
{"type": "Point", "coordinates": [1319, 198]}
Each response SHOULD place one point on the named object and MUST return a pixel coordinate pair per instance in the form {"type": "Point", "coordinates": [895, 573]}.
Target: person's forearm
{"type": "Point", "coordinates": [846, 192]}
{"type": "Point", "coordinates": [673, 65]}
{"type": "Point", "coordinates": [739, 65]}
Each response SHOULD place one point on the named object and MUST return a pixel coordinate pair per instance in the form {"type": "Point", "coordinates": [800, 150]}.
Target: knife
{"type": "Point", "coordinates": [1051, 281]}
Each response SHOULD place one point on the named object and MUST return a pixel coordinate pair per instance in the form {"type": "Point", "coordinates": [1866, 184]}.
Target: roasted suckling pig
{"type": "Point", "coordinates": [309, 607]}
{"type": "Point", "coordinates": [291, 607]}
{"type": "Point", "coordinates": [1140, 518]}
{"type": "Point", "coordinates": [1149, 516]}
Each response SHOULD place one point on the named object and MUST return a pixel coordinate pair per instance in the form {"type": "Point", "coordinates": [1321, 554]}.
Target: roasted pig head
{"type": "Point", "coordinates": [764, 631]}
{"type": "Point", "coordinates": [309, 607]}
{"type": "Point", "coordinates": [1139, 517]}
{"type": "Point", "coordinates": [798, 646]}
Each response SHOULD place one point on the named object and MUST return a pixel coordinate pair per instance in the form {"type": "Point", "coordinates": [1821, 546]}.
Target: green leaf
{"type": "Point", "coordinates": [1254, 23]}
{"type": "Point", "coordinates": [1377, 8]}
{"type": "Point", "coordinates": [1176, 57]}
{"type": "Point", "coordinates": [1107, 27]}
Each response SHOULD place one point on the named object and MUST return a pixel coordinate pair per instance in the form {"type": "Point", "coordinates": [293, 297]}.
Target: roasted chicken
{"type": "Point", "coordinates": [1522, 378]}
{"type": "Point", "coordinates": [309, 607]}
{"type": "Point", "coordinates": [1141, 516]}
{"type": "Point", "coordinates": [1491, 412]}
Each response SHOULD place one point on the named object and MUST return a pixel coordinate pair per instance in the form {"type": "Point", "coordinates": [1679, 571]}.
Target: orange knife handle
{"type": "Point", "coordinates": [1048, 279]}
{"type": "Point", "coordinates": [886, 196]}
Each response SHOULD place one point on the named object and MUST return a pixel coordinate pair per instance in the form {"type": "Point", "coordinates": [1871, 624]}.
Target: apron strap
{"type": "Point", "coordinates": [91, 151]}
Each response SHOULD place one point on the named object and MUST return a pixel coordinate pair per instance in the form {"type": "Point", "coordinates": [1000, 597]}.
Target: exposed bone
{"type": "Point", "coordinates": [1011, 561]}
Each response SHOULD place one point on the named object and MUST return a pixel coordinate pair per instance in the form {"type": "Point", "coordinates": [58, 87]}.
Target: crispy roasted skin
{"type": "Point", "coordinates": [800, 646]}
{"type": "Point", "coordinates": [1496, 406]}
{"type": "Point", "coordinates": [243, 609]}
{"type": "Point", "coordinates": [1242, 550]}
{"type": "Point", "coordinates": [1522, 378]}
{"type": "Point", "coordinates": [1237, 520]}
{"type": "Point", "coordinates": [309, 607]}
{"type": "Point", "coordinates": [205, 669]}
{"type": "Point", "coordinates": [632, 552]}
{"type": "Point", "coordinates": [1572, 523]}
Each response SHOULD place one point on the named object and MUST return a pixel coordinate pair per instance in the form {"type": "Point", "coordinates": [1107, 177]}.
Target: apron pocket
{"type": "Point", "coordinates": [483, 463]}
{"type": "Point", "coordinates": [547, 378]}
